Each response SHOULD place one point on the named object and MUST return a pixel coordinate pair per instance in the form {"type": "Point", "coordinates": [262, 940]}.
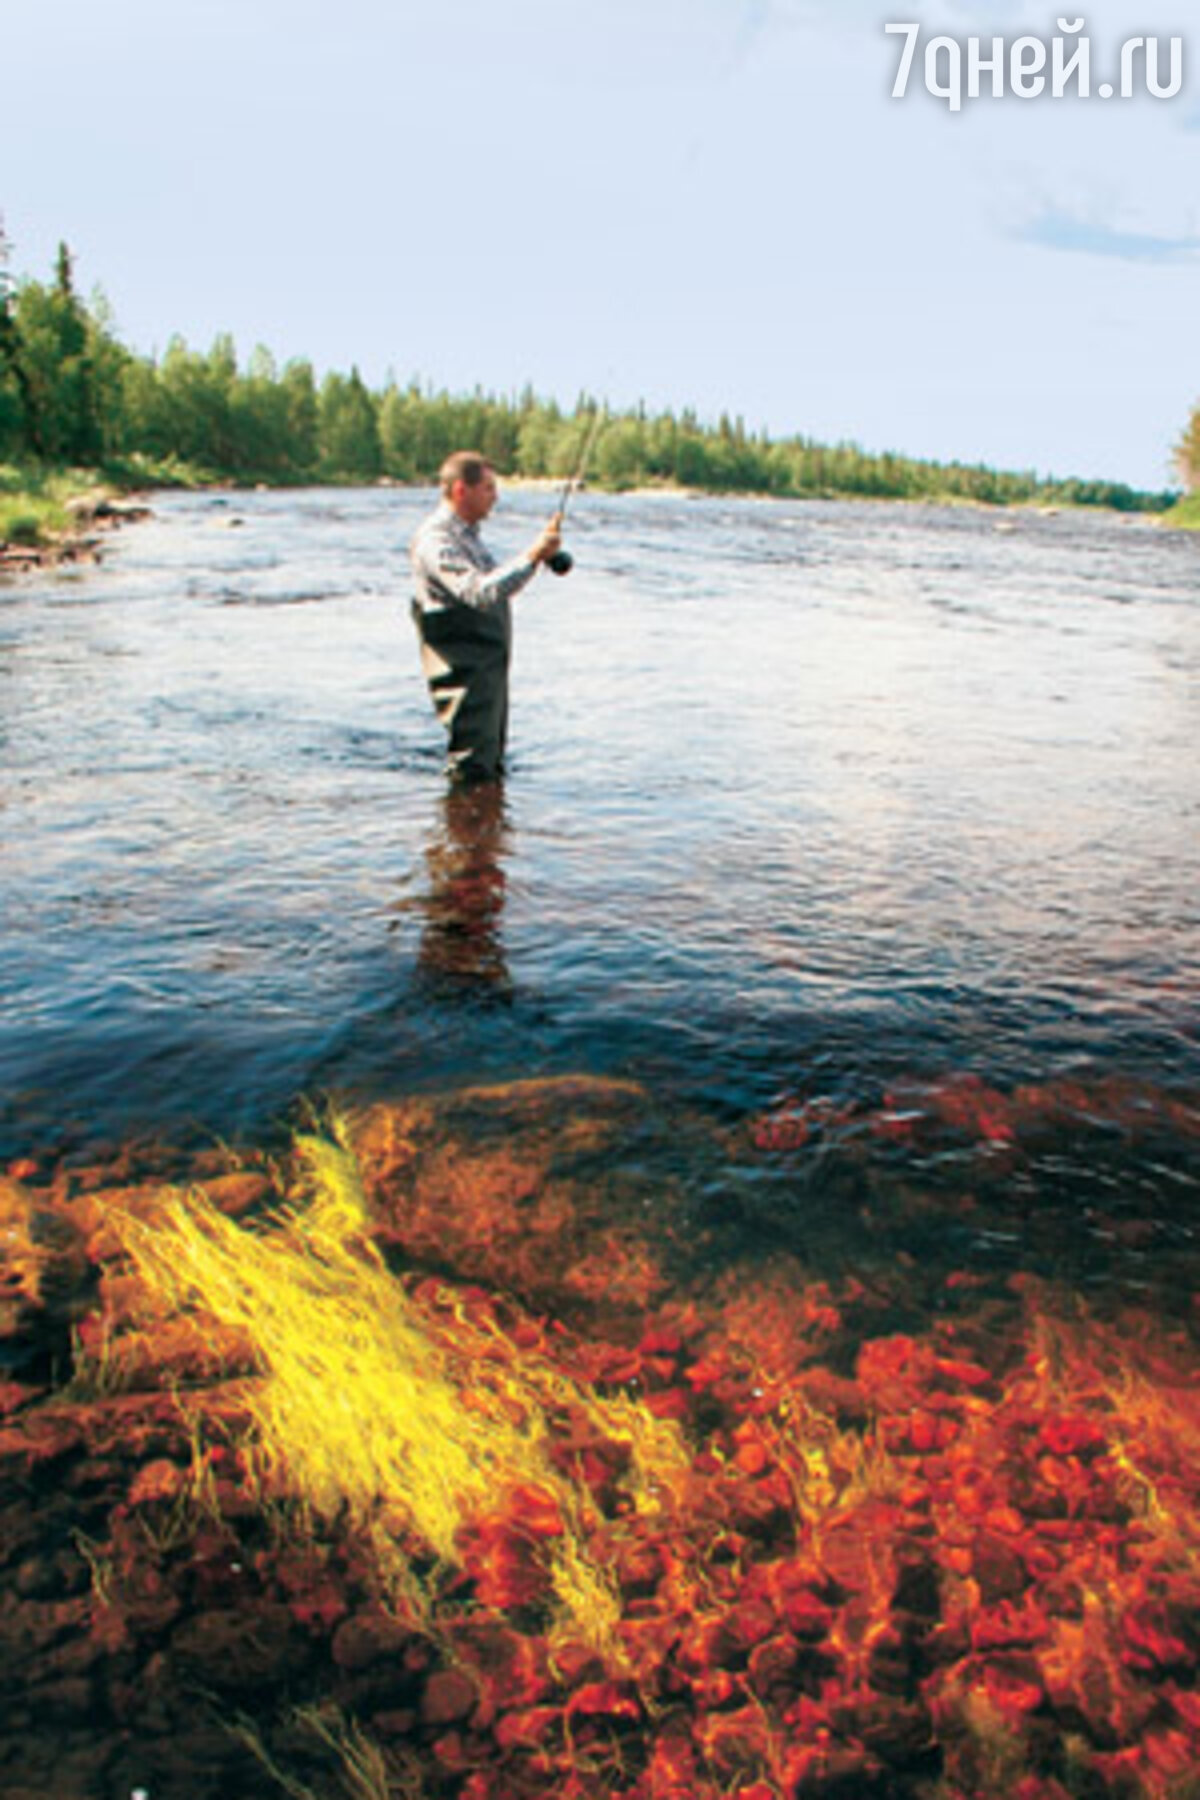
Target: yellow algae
{"type": "Point", "coordinates": [1156, 1427]}
{"type": "Point", "coordinates": [589, 1597]}
{"type": "Point", "coordinates": [355, 1407]}
{"type": "Point", "coordinates": [366, 1406]}
{"type": "Point", "coordinates": [661, 1463]}
{"type": "Point", "coordinates": [337, 1205]}
{"type": "Point", "coordinates": [100, 1567]}
{"type": "Point", "coordinates": [1140, 1394]}
{"type": "Point", "coordinates": [830, 1470]}
{"type": "Point", "coordinates": [22, 1258]}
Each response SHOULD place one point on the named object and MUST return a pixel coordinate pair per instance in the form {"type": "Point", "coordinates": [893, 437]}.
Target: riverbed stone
{"type": "Point", "coordinates": [368, 1638]}
{"type": "Point", "coordinates": [232, 1649]}
{"type": "Point", "coordinates": [449, 1697]}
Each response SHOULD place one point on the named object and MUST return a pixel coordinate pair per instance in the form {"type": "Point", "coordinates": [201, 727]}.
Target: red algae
{"type": "Point", "coordinates": [774, 1536]}
{"type": "Point", "coordinates": [965, 1107]}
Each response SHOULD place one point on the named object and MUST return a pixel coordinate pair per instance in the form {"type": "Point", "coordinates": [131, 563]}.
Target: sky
{"type": "Point", "coordinates": [706, 203]}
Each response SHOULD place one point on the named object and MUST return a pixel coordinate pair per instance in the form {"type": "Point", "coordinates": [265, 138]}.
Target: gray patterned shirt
{"type": "Point", "coordinates": [452, 566]}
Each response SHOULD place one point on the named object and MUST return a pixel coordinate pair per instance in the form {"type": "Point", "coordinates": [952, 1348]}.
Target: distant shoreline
{"type": "Point", "coordinates": [1045, 508]}
{"type": "Point", "coordinates": [192, 418]}
{"type": "Point", "coordinates": [94, 510]}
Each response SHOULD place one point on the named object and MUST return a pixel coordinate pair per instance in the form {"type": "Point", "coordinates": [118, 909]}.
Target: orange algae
{"type": "Point", "coordinates": [962, 1106]}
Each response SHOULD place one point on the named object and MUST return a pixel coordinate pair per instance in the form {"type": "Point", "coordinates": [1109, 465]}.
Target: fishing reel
{"type": "Point", "coordinates": [562, 562]}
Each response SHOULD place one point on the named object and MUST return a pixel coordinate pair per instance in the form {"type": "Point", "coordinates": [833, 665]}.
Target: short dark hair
{"type": "Point", "coordinates": [464, 465]}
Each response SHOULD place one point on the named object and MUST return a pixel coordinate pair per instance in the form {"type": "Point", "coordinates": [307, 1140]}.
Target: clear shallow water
{"type": "Point", "coordinates": [805, 799]}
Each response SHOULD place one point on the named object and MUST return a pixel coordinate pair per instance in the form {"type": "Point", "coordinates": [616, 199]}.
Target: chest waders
{"type": "Point", "coordinates": [465, 654]}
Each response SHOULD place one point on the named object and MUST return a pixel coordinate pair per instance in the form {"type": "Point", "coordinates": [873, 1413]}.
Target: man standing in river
{"type": "Point", "coordinates": [463, 616]}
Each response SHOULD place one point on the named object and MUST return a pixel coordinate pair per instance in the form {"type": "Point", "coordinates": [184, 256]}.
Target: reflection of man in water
{"type": "Point", "coordinates": [461, 944]}
{"type": "Point", "coordinates": [463, 617]}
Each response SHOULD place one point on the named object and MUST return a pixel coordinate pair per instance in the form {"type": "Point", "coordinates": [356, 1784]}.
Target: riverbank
{"type": "Point", "coordinates": [48, 517]}
{"type": "Point", "coordinates": [1185, 515]}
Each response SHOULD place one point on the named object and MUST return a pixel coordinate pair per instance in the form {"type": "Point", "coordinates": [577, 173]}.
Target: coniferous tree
{"type": "Point", "coordinates": [259, 420]}
{"type": "Point", "coordinates": [145, 424]}
{"type": "Point", "coordinates": [499, 437]}
{"type": "Point", "coordinates": [110, 363]}
{"type": "Point", "coordinates": [348, 428]}
{"type": "Point", "coordinates": [54, 369]}
{"type": "Point", "coordinates": [300, 402]}
{"type": "Point", "coordinates": [12, 405]}
{"type": "Point", "coordinates": [196, 391]}
{"type": "Point", "coordinates": [396, 435]}
{"type": "Point", "coordinates": [620, 453]}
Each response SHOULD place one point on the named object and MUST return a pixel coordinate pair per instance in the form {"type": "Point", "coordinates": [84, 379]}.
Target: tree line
{"type": "Point", "coordinates": [71, 394]}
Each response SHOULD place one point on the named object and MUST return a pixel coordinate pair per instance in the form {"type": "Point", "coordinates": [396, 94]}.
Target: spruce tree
{"type": "Point", "coordinates": [18, 426]}
{"type": "Point", "coordinates": [53, 366]}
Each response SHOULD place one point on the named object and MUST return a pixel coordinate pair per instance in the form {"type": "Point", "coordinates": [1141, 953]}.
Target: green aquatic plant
{"type": "Point", "coordinates": [365, 1772]}
{"type": "Point", "coordinates": [173, 1517]}
{"type": "Point", "coordinates": [361, 1768]}
{"type": "Point", "coordinates": [100, 1566]}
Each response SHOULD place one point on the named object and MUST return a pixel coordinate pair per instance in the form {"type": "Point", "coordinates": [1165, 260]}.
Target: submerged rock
{"type": "Point", "coordinates": [520, 1186]}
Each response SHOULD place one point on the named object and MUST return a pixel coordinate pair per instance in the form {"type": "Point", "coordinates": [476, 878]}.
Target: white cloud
{"type": "Point", "coordinates": [1056, 229]}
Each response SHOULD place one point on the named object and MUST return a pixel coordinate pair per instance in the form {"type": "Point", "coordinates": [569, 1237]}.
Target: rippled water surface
{"type": "Point", "coordinates": [805, 799]}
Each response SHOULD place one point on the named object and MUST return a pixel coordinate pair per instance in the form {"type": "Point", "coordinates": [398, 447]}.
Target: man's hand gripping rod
{"type": "Point", "coordinates": [562, 562]}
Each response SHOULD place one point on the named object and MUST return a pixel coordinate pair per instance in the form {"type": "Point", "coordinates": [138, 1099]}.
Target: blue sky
{"type": "Point", "coordinates": [705, 202]}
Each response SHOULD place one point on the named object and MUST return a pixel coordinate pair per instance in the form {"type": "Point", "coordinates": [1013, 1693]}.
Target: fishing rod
{"type": "Point", "coordinates": [562, 562]}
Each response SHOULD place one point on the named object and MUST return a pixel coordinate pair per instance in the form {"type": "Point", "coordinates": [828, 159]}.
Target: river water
{"type": "Point", "coordinates": [778, 1121]}
{"type": "Point", "coordinates": [808, 804]}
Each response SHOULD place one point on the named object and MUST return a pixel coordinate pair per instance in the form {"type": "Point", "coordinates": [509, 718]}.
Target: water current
{"type": "Point", "coordinates": [807, 803]}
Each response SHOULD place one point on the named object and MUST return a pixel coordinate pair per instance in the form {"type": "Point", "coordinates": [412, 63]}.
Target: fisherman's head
{"type": "Point", "coordinates": [469, 484]}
